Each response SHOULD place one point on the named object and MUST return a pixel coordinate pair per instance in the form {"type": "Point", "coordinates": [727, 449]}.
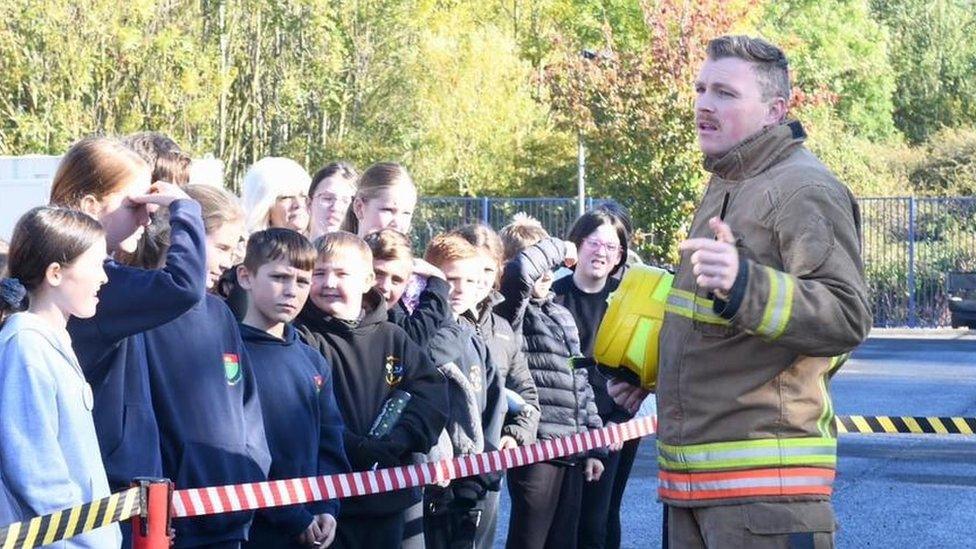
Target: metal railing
{"type": "Point", "coordinates": [909, 244]}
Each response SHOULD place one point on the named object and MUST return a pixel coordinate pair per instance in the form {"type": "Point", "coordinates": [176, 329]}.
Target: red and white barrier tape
{"type": "Point", "coordinates": [195, 502]}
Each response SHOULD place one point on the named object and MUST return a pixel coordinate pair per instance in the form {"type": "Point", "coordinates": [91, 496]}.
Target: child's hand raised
{"type": "Point", "coordinates": [160, 193]}
{"type": "Point", "coordinates": [425, 269]}
{"type": "Point", "coordinates": [572, 256]}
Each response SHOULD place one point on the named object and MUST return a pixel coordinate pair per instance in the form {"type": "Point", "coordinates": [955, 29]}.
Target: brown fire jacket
{"type": "Point", "coordinates": [744, 410]}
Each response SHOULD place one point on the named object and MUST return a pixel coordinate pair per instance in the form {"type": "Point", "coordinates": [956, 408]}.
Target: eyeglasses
{"type": "Point", "coordinates": [594, 245]}
{"type": "Point", "coordinates": [327, 199]}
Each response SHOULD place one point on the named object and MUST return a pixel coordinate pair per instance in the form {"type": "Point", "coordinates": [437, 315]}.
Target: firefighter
{"type": "Point", "coordinates": [769, 287]}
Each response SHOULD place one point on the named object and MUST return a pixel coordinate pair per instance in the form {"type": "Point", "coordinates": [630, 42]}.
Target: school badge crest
{"type": "Point", "coordinates": [394, 371]}
{"type": "Point", "coordinates": [232, 368]}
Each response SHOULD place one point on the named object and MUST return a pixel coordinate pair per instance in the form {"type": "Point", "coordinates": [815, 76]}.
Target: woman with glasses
{"type": "Point", "coordinates": [601, 238]}
{"type": "Point", "coordinates": [329, 197]}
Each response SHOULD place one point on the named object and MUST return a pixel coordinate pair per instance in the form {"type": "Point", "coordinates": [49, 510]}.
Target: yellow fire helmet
{"type": "Point", "coordinates": [629, 333]}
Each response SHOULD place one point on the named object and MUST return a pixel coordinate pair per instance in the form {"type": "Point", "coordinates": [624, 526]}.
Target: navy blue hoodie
{"type": "Point", "coordinates": [302, 424]}
{"type": "Point", "coordinates": [112, 354]}
{"type": "Point", "coordinates": [370, 359]}
{"type": "Point", "coordinates": [209, 413]}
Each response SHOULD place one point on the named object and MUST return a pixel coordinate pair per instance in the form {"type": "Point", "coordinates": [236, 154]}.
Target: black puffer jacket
{"type": "Point", "coordinates": [505, 349]}
{"type": "Point", "coordinates": [550, 341]}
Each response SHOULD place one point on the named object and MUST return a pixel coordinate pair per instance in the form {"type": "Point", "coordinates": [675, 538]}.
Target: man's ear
{"type": "Point", "coordinates": [53, 274]}
{"type": "Point", "coordinates": [370, 279]}
{"type": "Point", "coordinates": [90, 205]}
{"type": "Point", "coordinates": [243, 277]}
{"type": "Point", "coordinates": [777, 111]}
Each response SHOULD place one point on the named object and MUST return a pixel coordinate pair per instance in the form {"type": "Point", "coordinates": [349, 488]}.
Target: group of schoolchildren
{"type": "Point", "coordinates": [155, 328]}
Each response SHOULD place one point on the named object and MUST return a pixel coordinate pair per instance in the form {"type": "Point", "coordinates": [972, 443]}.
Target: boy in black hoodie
{"type": "Point", "coordinates": [345, 319]}
{"type": "Point", "coordinates": [419, 315]}
{"type": "Point", "coordinates": [301, 419]}
{"type": "Point", "coordinates": [453, 513]}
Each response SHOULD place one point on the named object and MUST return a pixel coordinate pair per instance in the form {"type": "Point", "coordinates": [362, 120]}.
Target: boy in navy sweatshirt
{"type": "Point", "coordinates": [345, 319]}
{"type": "Point", "coordinates": [301, 420]}
{"type": "Point", "coordinates": [452, 513]}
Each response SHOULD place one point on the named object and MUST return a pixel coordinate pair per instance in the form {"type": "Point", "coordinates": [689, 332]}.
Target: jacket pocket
{"type": "Point", "coordinates": [790, 518]}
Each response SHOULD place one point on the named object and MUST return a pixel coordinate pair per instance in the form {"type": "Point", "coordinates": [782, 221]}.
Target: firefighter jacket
{"type": "Point", "coordinates": [744, 410]}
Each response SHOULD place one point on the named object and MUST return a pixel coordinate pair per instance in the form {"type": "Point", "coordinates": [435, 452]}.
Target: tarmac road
{"type": "Point", "coordinates": [892, 491]}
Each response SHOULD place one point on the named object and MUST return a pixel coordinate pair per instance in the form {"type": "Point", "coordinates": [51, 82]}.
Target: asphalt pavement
{"type": "Point", "coordinates": [892, 491]}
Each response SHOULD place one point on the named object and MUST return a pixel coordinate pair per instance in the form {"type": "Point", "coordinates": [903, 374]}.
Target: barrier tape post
{"type": "Point", "coordinates": [151, 527]}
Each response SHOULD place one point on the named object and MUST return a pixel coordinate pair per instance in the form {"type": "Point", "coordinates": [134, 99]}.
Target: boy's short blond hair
{"type": "Point", "coordinates": [447, 247]}
{"type": "Point", "coordinates": [342, 244]}
{"type": "Point", "coordinates": [389, 245]}
{"type": "Point", "coordinates": [521, 233]}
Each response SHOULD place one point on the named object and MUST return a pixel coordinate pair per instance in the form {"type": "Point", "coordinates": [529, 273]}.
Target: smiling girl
{"type": "Point", "coordinates": [49, 457]}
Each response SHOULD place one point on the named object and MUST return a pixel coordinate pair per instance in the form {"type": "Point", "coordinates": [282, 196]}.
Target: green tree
{"type": "Point", "coordinates": [835, 46]}
{"type": "Point", "coordinates": [633, 111]}
{"type": "Point", "coordinates": [934, 59]}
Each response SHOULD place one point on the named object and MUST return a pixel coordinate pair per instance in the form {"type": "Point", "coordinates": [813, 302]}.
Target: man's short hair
{"type": "Point", "coordinates": [389, 245]}
{"type": "Point", "coordinates": [342, 244]}
{"type": "Point", "coordinates": [521, 233]}
{"type": "Point", "coordinates": [447, 247]}
{"type": "Point", "coordinates": [770, 63]}
{"type": "Point", "coordinates": [269, 245]}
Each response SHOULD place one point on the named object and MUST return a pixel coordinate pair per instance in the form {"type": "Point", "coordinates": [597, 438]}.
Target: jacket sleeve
{"type": "Point", "coordinates": [426, 413]}
{"type": "Point", "coordinates": [433, 310]}
{"type": "Point", "coordinates": [523, 425]}
{"type": "Point", "coordinates": [36, 469]}
{"type": "Point", "coordinates": [520, 275]}
{"type": "Point", "coordinates": [445, 344]}
{"type": "Point", "coordinates": [332, 454]}
{"type": "Point", "coordinates": [817, 304]}
{"type": "Point", "coordinates": [135, 300]}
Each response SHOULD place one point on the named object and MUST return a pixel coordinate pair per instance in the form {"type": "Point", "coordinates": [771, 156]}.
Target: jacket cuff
{"type": "Point", "coordinates": [728, 309]}
{"type": "Point", "coordinates": [766, 304]}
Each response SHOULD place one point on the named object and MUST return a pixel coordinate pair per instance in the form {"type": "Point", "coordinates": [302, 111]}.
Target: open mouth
{"type": "Point", "coordinates": [706, 127]}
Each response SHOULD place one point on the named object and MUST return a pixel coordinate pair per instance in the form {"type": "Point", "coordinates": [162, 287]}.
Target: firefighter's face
{"type": "Point", "coordinates": [729, 105]}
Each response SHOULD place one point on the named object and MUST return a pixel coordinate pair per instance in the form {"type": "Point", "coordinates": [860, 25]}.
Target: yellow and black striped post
{"type": "Point", "coordinates": [907, 424]}
{"type": "Point", "coordinates": [70, 522]}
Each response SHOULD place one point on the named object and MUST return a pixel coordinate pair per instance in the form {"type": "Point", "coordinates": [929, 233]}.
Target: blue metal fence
{"type": "Point", "coordinates": [908, 244]}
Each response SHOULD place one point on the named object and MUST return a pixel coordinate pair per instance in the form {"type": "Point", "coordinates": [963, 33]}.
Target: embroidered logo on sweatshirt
{"type": "Point", "coordinates": [394, 371]}
{"type": "Point", "coordinates": [232, 368]}
{"type": "Point", "coordinates": [318, 383]}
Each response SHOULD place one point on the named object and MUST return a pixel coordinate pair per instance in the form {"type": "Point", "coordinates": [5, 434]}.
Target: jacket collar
{"type": "Point", "coordinates": [374, 312]}
{"type": "Point", "coordinates": [757, 153]}
{"type": "Point", "coordinates": [254, 335]}
{"type": "Point", "coordinates": [482, 316]}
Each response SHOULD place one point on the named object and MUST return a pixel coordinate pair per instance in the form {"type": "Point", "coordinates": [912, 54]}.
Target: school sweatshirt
{"type": "Point", "coordinates": [370, 358]}
{"type": "Point", "coordinates": [113, 356]}
{"type": "Point", "coordinates": [302, 424]}
{"type": "Point", "coordinates": [209, 414]}
{"type": "Point", "coordinates": [477, 408]}
{"type": "Point", "coordinates": [49, 457]}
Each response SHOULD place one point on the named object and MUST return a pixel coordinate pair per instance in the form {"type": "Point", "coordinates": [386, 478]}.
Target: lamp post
{"type": "Point", "coordinates": [588, 55]}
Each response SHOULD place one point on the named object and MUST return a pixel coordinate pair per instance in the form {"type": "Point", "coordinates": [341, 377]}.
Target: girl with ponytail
{"type": "Point", "coordinates": [49, 455]}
